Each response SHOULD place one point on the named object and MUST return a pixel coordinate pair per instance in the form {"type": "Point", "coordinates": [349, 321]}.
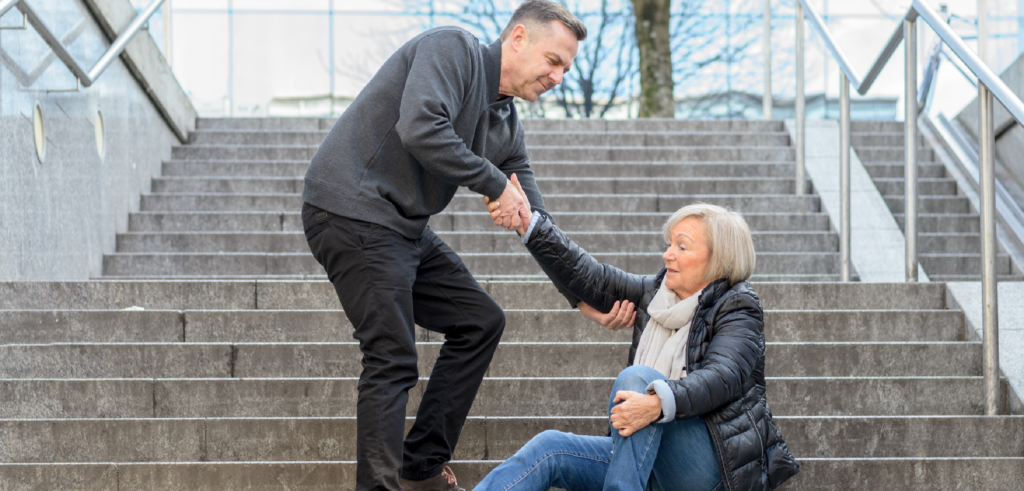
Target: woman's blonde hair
{"type": "Point", "coordinates": [730, 246]}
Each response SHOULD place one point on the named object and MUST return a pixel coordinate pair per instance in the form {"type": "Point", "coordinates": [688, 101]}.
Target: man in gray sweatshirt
{"type": "Point", "coordinates": [437, 115]}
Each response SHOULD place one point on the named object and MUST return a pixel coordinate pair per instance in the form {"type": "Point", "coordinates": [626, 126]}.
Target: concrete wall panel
{"type": "Point", "coordinates": [60, 214]}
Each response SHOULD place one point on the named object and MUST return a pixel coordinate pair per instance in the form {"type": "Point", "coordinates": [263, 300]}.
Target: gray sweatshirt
{"type": "Point", "coordinates": [428, 122]}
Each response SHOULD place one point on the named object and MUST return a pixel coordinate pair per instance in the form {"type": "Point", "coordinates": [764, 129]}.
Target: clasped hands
{"type": "Point", "coordinates": [512, 209]}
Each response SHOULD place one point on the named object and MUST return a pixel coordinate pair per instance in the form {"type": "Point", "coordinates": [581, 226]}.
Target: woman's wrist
{"type": "Point", "coordinates": [661, 390]}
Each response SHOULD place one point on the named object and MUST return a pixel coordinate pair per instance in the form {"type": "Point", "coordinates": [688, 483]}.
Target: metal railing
{"type": "Point", "coordinates": [84, 78]}
{"type": "Point", "coordinates": [989, 86]}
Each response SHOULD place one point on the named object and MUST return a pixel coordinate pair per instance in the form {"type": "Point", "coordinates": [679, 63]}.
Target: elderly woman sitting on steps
{"type": "Point", "coordinates": [690, 413]}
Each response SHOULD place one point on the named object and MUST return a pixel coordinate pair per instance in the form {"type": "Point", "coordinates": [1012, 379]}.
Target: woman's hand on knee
{"type": "Point", "coordinates": [633, 411]}
{"type": "Point", "coordinates": [623, 314]}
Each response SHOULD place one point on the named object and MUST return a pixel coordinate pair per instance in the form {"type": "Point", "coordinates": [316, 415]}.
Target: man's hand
{"type": "Point", "coordinates": [499, 211]}
{"type": "Point", "coordinates": [634, 411]}
{"type": "Point", "coordinates": [622, 314]}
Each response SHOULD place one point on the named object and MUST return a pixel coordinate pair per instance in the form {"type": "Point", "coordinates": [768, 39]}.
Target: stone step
{"type": "Point", "coordinates": [949, 243]}
{"type": "Point", "coordinates": [898, 169]}
{"type": "Point", "coordinates": [657, 139]}
{"type": "Point", "coordinates": [509, 294]}
{"type": "Point", "coordinates": [522, 325]}
{"type": "Point", "coordinates": [619, 203]}
{"type": "Point", "coordinates": [1003, 473]}
{"type": "Point", "coordinates": [944, 223]}
{"type": "Point", "coordinates": [506, 396]}
{"type": "Point", "coordinates": [554, 152]}
{"type": "Point", "coordinates": [892, 154]}
{"type": "Point", "coordinates": [530, 359]}
{"type": "Point", "coordinates": [244, 152]}
{"type": "Point", "coordinates": [876, 126]}
{"type": "Point", "coordinates": [925, 186]}
{"type": "Point", "coordinates": [274, 124]}
{"type": "Point", "coordinates": [628, 154]}
{"type": "Point", "coordinates": [326, 439]}
{"type": "Point", "coordinates": [455, 221]}
{"type": "Point", "coordinates": [215, 221]}
{"type": "Point", "coordinates": [499, 240]}
{"type": "Point", "coordinates": [999, 473]}
{"type": "Point", "coordinates": [574, 138]}
{"type": "Point", "coordinates": [482, 263]}
{"type": "Point", "coordinates": [931, 204]}
{"type": "Point", "coordinates": [547, 185]}
{"type": "Point", "coordinates": [233, 185]}
{"type": "Point", "coordinates": [883, 139]}
{"type": "Point", "coordinates": [225, 168]}
{"type": "Point", "coordinates": [961, 263]}
{"type": "Point", "coordinates": [297, 168]}
{"type": "Point", "coordinates": [715, 125]}
{"type": "Point", "coordinates": [256, 137]}
{"type": "Point", "coordinates": [1016, 276]}
{"type": "Point", "coordinates": [638, 222]}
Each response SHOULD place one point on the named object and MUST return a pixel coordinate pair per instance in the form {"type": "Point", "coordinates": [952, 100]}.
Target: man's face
{"type": "Point", "coordinates": [544, 55]}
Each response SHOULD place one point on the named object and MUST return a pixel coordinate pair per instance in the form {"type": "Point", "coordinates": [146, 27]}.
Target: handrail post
{"type": "Point", "coordinates": [799, 103]}
{"type": "Point", "coordinates": [844, 175]}
{"type": "Point", "coordinates": [989, 319]}
{"type": "Point", "coordinates": [766, 101]}
{"type": "Point", "coordinates": [910, 147]}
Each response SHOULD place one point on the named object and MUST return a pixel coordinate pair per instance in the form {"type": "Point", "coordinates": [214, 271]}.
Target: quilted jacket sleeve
{"type": "Point", "coordinates": [571, 267]}
{"type": "Point", "coordinates": [737, 326]}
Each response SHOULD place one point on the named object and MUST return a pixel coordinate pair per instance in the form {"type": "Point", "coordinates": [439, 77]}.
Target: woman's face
{"type": "Point", "coordinates": [687, 258]}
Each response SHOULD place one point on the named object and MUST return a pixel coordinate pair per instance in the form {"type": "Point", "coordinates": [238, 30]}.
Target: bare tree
{"type": "Point", "coordinates": [715, 48]}
{"type": "Point", "coordinates": [654, 43]}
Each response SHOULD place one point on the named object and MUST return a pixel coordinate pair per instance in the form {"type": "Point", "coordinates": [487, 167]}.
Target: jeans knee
{"type": "Point", "coordinates": [636, 378]}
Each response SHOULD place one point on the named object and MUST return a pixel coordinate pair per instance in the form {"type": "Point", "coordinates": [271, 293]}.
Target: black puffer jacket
{"type": "Point", "coordinates": [725, 384]}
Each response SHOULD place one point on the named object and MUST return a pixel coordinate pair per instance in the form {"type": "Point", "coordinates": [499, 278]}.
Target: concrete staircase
{"type": "Point", "coordinates": [213, 354]}
{"type": "Point", "coordinates": [949, 238]}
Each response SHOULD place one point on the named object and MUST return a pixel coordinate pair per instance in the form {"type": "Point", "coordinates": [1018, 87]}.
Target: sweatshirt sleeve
{"type": "Point", "coordinates": [440, 72]}
{"type": "Point", "coordinates": [518, 163]}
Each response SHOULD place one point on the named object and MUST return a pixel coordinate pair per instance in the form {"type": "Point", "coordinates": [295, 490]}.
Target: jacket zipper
{"type": "Point", "coordinates": [762, 458]}
{"type": "Point", "coordinates": [716, 439]}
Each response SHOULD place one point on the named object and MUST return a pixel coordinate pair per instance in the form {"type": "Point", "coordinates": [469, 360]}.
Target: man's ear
{"type": "Point", "coordinates": [518, 36]}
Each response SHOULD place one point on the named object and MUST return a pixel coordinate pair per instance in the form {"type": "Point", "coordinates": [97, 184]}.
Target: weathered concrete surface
{"type": "Point", "coordinates": [60, 214]}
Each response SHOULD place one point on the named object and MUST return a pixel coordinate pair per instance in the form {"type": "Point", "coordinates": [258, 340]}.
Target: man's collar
{"type": "Point", "coordinates": [492, 69]}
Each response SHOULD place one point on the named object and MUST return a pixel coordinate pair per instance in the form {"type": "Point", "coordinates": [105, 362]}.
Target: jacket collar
{"type": "Point", "coordinates": [712, 293]}
{"type": "Point", "coordinates": [492, 71]}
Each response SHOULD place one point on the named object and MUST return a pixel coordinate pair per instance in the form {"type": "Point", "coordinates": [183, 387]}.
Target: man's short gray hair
{"type": "Point", "coordinates": [542, 12]}
{"type": "Point", "coordinates": [730, 246]}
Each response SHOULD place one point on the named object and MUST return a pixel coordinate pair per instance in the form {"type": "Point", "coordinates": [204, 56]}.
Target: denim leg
{"type": "Point", "coordinates": [686, 458]}
{"type": "Point", "coordinates": [633, 457]}
{"type": "Point", "coordinates": [553, 459]}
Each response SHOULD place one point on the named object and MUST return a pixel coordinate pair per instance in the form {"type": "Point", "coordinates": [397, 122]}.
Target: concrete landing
{"type": "Point", "coordinates": [1011, 323]}
{"type": "Point", "coordinates": [877, 246]}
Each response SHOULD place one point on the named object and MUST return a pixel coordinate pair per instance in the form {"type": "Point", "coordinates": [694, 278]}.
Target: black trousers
{"type": "Point", "coordinates": [387, 284]}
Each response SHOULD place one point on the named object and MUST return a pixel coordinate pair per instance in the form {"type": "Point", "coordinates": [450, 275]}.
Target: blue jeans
{"type": "Point", "coordinates": [674, 456]}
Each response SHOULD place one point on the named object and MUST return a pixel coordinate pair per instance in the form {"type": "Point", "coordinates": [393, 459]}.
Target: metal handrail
{"type": "Point", "coordinates": [989, 86]}
{"type": "Point", "coordinates": [85, 78]}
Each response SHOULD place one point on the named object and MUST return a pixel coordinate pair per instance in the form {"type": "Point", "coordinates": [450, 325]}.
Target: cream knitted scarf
{"type": "Point", "coordinates": [663, 343]}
